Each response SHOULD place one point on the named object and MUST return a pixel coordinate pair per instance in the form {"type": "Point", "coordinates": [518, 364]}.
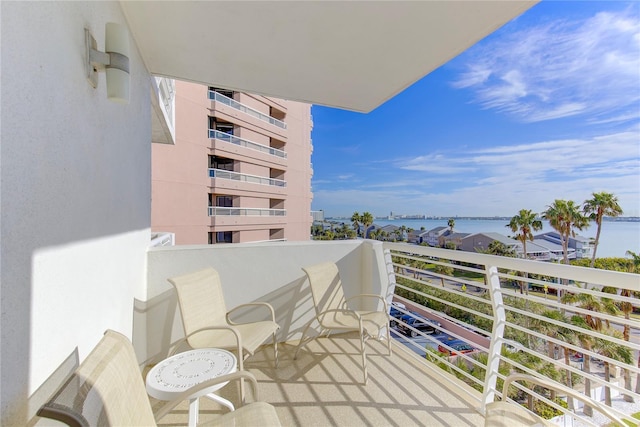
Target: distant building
{"type": "Point", "coordinates": [478, 242]}
{"type": "Point", "coordinates": [317, 215]}
{"type": "Point", "coordinates": [433, 235]}
{"type": "Point", "coordinates": [449, 238]}
{"type": "Point", "coordinates": [555, 249]}
{"type": "Point", "coordinates": [417, 236]}
{"type": "Point", "coordinates": [582, 246]}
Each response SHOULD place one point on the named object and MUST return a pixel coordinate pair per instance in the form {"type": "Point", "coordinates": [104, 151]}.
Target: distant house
{"type": "Point", "coordinates": [582, 246]}
{"type": "Point", "coordinates": [480, 242]}
{"type": "Point", "coordinates": [417, 236]}
{"type": "Point", "coordinates": [389, 229]}
{"type": "Point", "coordinates": [433, 235]}
{"type": "Point", "coordinates": [448, 239]}
{"type": "Point", "coordinates": [555, 249]}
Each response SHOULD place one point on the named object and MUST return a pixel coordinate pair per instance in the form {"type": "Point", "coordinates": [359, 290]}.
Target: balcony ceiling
{"type": "Point", "coordinates": [352, 55]}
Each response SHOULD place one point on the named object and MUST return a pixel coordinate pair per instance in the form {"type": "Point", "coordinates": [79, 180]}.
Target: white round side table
{"type": "Point", "coordinates": [182, 371]}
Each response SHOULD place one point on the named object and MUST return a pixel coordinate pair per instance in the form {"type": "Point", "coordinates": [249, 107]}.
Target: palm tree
{"type": "Point", "coordinates": [451, 223]}
{"type": "Point", "coordinates": [356, 219]}
{"type": "Point", "coordinates": [594, 305]}
{"type": "Point", "coordinates": [595, 209]}
{"type": "Point", "coordinates": [634, 267]}
{"type": "Point", "coordinates": [498, 248]}
{"type": "Point", "coordinates": [612, 350]}
{"type": "Point", "coordinates": [523, 224]}
{"type": "Point", "coordinates": [366, 219]}
{"type": "Point", "coordinates": [586, 341]}
{"type": "Point", "coordinates": [565, 217]}
{"type": "Point", "coordinates": [564, 334]}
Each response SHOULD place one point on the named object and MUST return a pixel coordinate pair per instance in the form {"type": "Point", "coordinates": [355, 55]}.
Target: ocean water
{"type": "Point", "coordinates": [616, 237]}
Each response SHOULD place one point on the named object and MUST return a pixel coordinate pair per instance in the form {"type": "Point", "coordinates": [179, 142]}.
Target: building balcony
{"type": "Point", "coordinates": [243, 177]}
{"type": "Point", "coordinates": [218, 97]}
{"type": "Point", "coordinates": [223, 211]}
{"type": "Point", "coordinates": [222, 136]}
{"type": "Point", "coordinates": [246, 218]}
{"type": "Point", "coordinates": [474, 300]}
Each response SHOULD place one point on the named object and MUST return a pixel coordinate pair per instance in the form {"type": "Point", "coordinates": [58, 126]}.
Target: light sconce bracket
{"type": "Point", "coordinates": [114, 61]}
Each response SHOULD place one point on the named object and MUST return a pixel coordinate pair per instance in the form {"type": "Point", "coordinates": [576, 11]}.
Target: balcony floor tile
{"type": "Point", "coordinates": [322, 388]}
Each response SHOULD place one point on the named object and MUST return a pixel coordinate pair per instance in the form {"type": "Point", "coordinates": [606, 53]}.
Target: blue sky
{"type": "Point", "coordinates": [547, 107]}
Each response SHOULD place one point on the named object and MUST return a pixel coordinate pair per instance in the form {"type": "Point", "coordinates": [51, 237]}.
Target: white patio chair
{"type": "Point", "coordinates": [333, 313]}
{"type": "Point", "coordinates": [206, 320]}
{"type": "Point", "coordinates": [107, 389]}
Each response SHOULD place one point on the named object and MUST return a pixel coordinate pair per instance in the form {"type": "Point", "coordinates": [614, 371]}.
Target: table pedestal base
{"type": "Point", "coordinates": [194, 407]}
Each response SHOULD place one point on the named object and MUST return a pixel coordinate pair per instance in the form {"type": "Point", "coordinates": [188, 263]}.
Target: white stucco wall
{"type": "Point", "coordinates": [269, 272]}
{"type": "Point", "coordinates": [75, 192]}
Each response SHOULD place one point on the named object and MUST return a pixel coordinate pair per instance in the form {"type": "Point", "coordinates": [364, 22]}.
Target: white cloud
{"type": "Point", "coordinates": [560, 69]}
{"type": "Point", "coordinates": [501, 180]}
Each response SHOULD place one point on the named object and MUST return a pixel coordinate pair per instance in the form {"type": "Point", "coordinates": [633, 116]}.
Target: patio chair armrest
{"type": "Point", "coordinates": [229, 328]}
{"type": "Point", "coordinates": [168, 407]}
{"type": "Point", "coordinates": [249, 304]}
{"type": "Point", "coordinates": [380, 297]}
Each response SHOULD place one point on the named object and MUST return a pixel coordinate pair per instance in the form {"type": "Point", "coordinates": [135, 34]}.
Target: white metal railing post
{"type": "Point", "coordinates": [499, 322]}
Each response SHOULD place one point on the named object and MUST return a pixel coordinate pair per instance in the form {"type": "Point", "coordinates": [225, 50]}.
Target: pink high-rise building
{"type": "Point", "coordinates": [240, 169]}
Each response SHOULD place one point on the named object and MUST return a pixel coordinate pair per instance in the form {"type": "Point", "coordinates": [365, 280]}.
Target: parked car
{"type": "Point", "coordinates": [458, 347]}
{"type": "Point", "coordinates": [395, 312]}
{"type": "Point", "coordinates": [426, 326]}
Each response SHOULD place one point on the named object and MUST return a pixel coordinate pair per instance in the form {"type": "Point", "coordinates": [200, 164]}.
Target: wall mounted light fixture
{"type": "Point", "coordinates": [114, 61]}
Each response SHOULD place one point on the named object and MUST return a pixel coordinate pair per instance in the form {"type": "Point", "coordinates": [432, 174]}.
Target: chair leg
{"type": "Point", "coordinates": [364, 359]}
{"type": "Point", "coordinates": [389, 339]}
{"type": "Point", "coordinates": [241, 368]}
{"type": "Point", "coordinates": [275, 349]}
{"type": "Point", "coordinates": [302, 343]}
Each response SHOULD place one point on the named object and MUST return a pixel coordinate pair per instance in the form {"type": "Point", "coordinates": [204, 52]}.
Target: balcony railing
{"type": "Point", "coordinates": [221, 211]}
{"type": "Point", "coordinates": [222, 136]}
{"type": "Point", "coordinates": [510, 331]}
{"type": "Point", "coordinates": [235, 176]}
{"type": "Point", "coordinates": [218, 97]}
{"type": "Point", "coordinates": [570, 327]}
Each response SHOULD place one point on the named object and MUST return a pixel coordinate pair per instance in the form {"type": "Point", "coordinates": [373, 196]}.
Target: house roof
{"type": "Point", "coordinates": [353, 55]}
{"type": "Point", "coordinates": [551, 246]}
{"type": "Point", "coordinates": [437, 230]}
{"type": "Point", "coordinates": [455, 236]}
{"type": "Point", "coordinates": [496, 236]}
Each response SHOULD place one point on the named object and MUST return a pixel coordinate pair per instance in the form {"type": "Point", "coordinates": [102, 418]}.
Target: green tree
{"type": "Point", "coordinates": [498, 248]}
{"type": "Point", "coordinates": [595, 209]}
{"type": "Point", "coordinates": [595, 305]}
{"type": "Point", "coordinates": [523, 226]}
{"type": "Point", "coordinates": [366, 219]}
{"type": "Point", "coordinates": [451, 223]}
{"type": "Point", "coordinates": [356, 220]}
{"type": "Point", "coordinates": [611, 350]}
{"type": "Point", "coordinates": [565, 217]}
{"type": "Point", "coordinates": [634, 267]}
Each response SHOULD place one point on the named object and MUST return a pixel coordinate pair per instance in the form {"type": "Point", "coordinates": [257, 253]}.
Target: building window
{"type": "Point", "coordinates": [226, 92]}
{"type": "Point", "coordinates": [222, 163]}
{"type": "Point", "coordinates": [220, 237]}
{"type": "Point", "coordinates": [224, 201]}
{"type": "Point", "coordinates": [220, 126]}
{"type": "Point", "coordinates": [220, 201]}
